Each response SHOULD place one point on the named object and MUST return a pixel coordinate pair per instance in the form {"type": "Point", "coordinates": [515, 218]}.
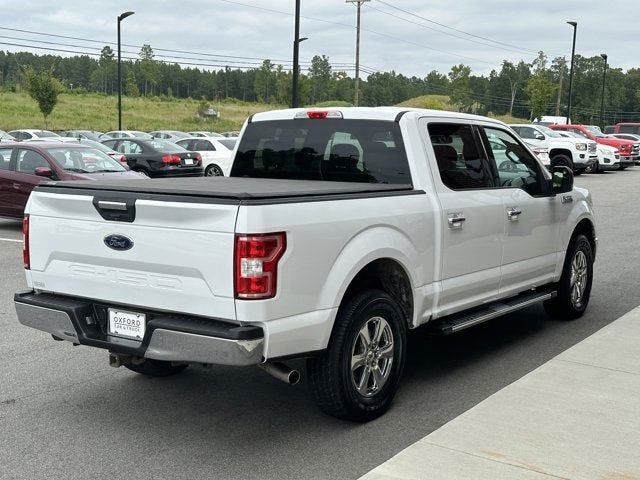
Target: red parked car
{"type": "Point", "coordinates": [629, 151]}
{"type": "Point", "coordinates": [24, 165]}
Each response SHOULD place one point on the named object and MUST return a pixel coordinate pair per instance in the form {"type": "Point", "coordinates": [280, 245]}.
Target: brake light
{"type": "Point", "coordinates": [26, 255]}
{"type": "Point", "coordinates": [123, 159]}
{"type": "Point", "coordinates": [198, 159]}
{"type": "Point", "coordinates": [318, 114]}
{"type": "Point", "coordinates": [171, 160]}
{"type": "Point", "coordinates": [256, 264]}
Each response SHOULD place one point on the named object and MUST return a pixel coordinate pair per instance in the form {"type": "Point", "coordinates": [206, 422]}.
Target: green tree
{"type": "Point", "coordinates": [148, 68]}
{"type": "Point", "coordinates": [320, 76]}
{"type": "Point", "coordinates": [130, 85]}
{"type": "Point", "coordinates": [44, 88]}
{"type": "Point", "coordinates": [459, 93]}
{"type": "Point", "coordinates": [263, 84]}
{"type": "Point", "coordinates": [540, 91]}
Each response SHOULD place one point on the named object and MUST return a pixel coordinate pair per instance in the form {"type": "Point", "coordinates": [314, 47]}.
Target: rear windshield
{"type": "Point", "coordinates": [366, 151]}
{"type": "Point", "coordinates": [166, 147]}
{"type": "Point", "coordinates": [228, 142]}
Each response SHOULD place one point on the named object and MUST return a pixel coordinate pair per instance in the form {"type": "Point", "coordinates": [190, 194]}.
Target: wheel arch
{"type": "Point", "coordinates": [587, 228]}
{"type": "Point", "coordinates": [560, 151]}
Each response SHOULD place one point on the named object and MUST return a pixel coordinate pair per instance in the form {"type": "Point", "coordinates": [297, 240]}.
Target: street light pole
{"type": "Point", "coordinates": [573, 54]}
{"type": "Point", "coordinates": [357, 79]}
{"type": "Point", "coordinates": [604, 79]}
{"type": "Point", "coordinates": [296, 66]}
{"type": "Point", "coordinates": [121, 17]}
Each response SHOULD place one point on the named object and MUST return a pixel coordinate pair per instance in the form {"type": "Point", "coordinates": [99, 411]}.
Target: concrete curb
{"type": "Point", "coordinates": [577, 416]}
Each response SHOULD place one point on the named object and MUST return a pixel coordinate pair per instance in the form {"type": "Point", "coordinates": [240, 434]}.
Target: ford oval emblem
{"type": "Point", "coordinates": [118, 242]}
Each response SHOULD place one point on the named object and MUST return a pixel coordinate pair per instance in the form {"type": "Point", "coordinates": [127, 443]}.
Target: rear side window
{"type": "Point", "coordinates": [338, 150]}
{"type": "Point", "coordinates": [460, 163]}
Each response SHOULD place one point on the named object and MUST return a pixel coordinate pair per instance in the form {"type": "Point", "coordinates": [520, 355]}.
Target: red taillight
{"type": "Point", "coordinates": [26, 257]}
{"type": "Point", "coordinates": [123, 159]}
{"type": "Point", "coordinates": [171, 160]}
{"type": "Point", "coordinates": [198, 159]}
{"type": "Point", "coordinates": [256, 264]}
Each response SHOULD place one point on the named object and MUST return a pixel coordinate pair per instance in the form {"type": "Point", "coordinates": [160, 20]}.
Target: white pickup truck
{"type": "Point", "coordinates": [580, 154]}
{"type": "Point", "coordinates": [337, 232]}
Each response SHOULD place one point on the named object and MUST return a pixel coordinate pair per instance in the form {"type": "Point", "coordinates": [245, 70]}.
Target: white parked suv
{"type": "Point", "coordinates": [312, 249]}
{"type": "Point", "coordinates": [579, 154]}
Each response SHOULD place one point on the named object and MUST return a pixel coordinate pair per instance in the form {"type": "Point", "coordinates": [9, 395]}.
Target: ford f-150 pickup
{"type": "Point", "coordinates": [337, 231]}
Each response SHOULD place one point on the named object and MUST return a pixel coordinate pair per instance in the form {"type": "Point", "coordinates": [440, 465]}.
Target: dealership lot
{"type": "Point", "coordinates": [66, 413]}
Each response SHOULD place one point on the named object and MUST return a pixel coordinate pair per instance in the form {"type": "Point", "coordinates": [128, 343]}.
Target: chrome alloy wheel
{"type": "Point", "coordinates": [579, 278]}
{"type": "Point", "coordinates": [372, 356]}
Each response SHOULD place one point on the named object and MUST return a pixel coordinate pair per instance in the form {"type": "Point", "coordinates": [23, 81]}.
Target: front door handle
{"type": "Point", "coordinates": [16, 186]}
{"type": "Point", "coordinates": [513, 213]}
{"type": "Point", "coordinates": [456, 220]}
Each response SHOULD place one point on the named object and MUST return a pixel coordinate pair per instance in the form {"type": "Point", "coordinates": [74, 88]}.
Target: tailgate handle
{"type": "Point", "coordinates": [105, 205]}
{"type": "Point", "coordinates": [116, 211]}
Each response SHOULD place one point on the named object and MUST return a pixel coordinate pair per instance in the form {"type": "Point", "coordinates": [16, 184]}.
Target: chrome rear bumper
{"type": "Point", "coordinates": [170, 338]}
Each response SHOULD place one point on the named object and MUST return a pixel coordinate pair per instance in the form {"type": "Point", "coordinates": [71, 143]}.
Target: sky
{"type": "Point", "coordinates": [396, 35]}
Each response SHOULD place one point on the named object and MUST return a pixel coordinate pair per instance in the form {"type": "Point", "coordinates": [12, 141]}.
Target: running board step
{"type": "Point", "coordinates": [459, 321]}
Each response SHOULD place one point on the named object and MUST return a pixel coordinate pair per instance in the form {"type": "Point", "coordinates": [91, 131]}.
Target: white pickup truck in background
{"type": "Point", "coordinates": [578, 154]}
{"type": "Point", "coordinates": [337, 232]}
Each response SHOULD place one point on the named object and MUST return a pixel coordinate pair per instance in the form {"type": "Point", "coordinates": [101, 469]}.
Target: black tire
{"type": "Point", "coordinates": [143, 172]}
{"type": "Point", "coordinates": [331, 378]}
{"type": "Point", "coordinates": [156, 368]}
{"type": "Point", "coordinates": [564, 306]}
{"type": "Point", "coordinates": [622, 167]}
{"type": "Point", "coordinates": [213, 170]}
{"type": "Point", "coordinates": [561, 160]}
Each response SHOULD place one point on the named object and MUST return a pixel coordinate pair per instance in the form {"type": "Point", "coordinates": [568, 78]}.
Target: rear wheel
{"type": "Point", "coordinates": [213, 171]}
{"type": "Point", "coordinates": [574, 287]}
{"type": "Point", "coordinates": [359, 374]}
{"type": "Point", "coordinates": [143, 172]}
{"type": "Point", "coordinates": [156, 368]}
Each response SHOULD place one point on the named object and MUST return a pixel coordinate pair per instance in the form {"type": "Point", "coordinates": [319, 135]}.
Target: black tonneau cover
{"type": "Point", "coordinates": [231, 189]}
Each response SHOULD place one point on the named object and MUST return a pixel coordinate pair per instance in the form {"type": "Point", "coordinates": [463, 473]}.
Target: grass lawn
{"type": "Point", "coordinates": [90, 111]}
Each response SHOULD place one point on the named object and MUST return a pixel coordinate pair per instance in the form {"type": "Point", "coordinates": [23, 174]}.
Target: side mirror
{"type": "Point", "coordinates": [43, 172]}
{"type": "Point", "coordinates": [539, 136]}
{"type": "Point", "coordinates": [561, 179]}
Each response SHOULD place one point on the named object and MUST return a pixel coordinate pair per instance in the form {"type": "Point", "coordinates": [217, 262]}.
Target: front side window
{"type": "Point", "coordinates": [204, 146]}
{"type": "Point", "coordinates": [460, 163]}
{"type": "Point", "coordinates": [84, 160]}
{"type": "Point", "coordinates": [28, 161]}
{"type": "Point", "coordinates": [516, 166]}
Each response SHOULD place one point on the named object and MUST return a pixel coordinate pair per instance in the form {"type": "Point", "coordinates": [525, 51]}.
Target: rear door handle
{"type": "Point", "coordinates": [17, 186]}
{"type": "Point", "coordinates": [456, 220]}
{"type": "Point", "coordinates": [513, 213]}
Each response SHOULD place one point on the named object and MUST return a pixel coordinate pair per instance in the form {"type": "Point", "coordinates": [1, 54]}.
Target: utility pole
{"type": "Point", "coordinates": [562, 65]}
{"type": "Point", "coordinates": [357, 80]}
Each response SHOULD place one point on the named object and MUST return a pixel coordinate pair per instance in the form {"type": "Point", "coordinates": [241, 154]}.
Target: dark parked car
{"type": "Point", "coordinates": [24, 165]}
{"type": "Point", "coordinates": [158, 158]}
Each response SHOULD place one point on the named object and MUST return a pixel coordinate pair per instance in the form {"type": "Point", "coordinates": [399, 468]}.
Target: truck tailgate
{"type": "Point", "coordinates": [181, 259]}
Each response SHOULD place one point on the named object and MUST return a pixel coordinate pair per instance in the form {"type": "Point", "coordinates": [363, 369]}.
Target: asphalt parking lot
{"type": "Point", "coordinates": [64, 413]}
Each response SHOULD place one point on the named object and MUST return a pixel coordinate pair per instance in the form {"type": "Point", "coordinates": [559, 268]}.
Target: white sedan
{"type": "Point", "coordinates": [216, 153]}
{"type": "Point", "coordinates": [608, 158]}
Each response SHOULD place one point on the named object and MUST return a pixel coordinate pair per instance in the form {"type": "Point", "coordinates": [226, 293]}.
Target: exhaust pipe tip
{"type": "Point", "coordinates": [282, 372]}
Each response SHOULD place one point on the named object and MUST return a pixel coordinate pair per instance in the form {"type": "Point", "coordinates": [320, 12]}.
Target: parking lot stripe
{"type": "Point", "coordinates": [10, 240]}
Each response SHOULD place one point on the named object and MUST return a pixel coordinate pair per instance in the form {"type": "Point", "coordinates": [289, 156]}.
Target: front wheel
{"type": "Point", "coordinates": [574, 288]}
{"type": "Point", "coordinates": [359, 374]}
{"type": "Point", "coordinates": [562, 161]}
{"type": "Point", "coordinates": [156, 368]}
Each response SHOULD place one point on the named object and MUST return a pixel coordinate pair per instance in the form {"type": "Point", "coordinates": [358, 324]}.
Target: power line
{"type": "Point", "coordinates": [456, 29]}
{"type": "Point", "coordinates": [519, 50]}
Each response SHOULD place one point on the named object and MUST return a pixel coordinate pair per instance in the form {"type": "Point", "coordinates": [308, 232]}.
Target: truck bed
{"type": "Point", "coordinates": [229, 189]}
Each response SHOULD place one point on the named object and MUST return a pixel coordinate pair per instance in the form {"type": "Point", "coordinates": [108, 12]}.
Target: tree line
{"type": "Point", "coordinates": [526, 89]}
